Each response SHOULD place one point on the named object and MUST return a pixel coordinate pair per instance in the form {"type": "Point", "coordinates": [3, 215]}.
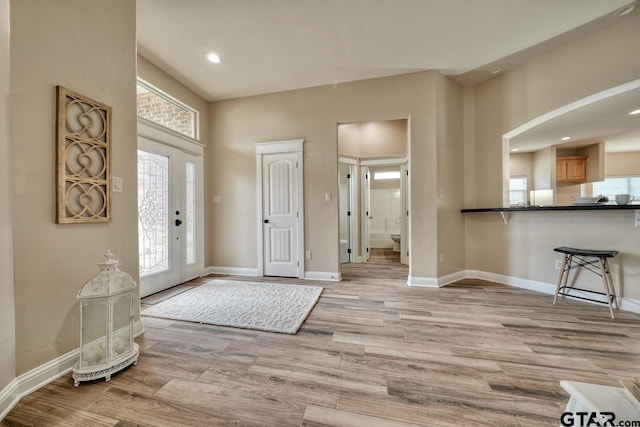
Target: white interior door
{"type": "Point", "coordinates": [366, 212]}
{"type": "Point", "coordinates": [280, 214]}
{"type": "Point", "coordinates": [167, 216]}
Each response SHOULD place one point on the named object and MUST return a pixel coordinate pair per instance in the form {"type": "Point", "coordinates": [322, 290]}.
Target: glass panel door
{"type": "Point", "coordinates": [191, 202]}
{"type": "Point", "coordinates": [160, 207]}
{"type": "Point", "coordinates": [153, 213]}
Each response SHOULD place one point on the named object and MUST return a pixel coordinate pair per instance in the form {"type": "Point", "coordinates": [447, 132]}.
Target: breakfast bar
{"type": "Point", "coordinates": [505, 211]}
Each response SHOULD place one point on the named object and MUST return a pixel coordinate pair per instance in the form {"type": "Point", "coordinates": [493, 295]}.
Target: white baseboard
{"type": "Point", "coordinates": [35, 379]}
{"type": "Point", "coordinates": [231, 271]}
{"type": "Point", "coordinates": [323, 275]}
{"type": "Point", "coordinates": [450, 278]}
{"type": "Point", "coordinates": [42, 375]}
{"type": "Point", "coordinates": [626, 304]}
{"type": "Point", "coordinates": [9, 397]}
{"type": "Point", "coordinates": [427, 282]}
{"type": "Point", "coordinates": [532, 285]}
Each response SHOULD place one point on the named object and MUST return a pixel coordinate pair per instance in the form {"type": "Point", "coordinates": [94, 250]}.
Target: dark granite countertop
{"type": "Point", "coordinates": [554, 208]}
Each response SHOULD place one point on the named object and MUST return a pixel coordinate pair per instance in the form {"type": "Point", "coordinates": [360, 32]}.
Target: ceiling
{"type": "Point", "coordinates": [606, 120]}
{"type": "Point", "coordinates": [275, 45]}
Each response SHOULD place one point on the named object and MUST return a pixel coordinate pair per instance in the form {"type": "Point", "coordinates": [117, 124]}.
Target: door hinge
{"type": "Point", "coordinates": [407, 171]}
{"type": "Point", "coordinates": [366, 213]}
{"type": "Point", "coordinates": [298, 262]}
{"type": "Point", "coordinates": [407, 213]}
{"type": "Point", "coordinates": [348, 213]}
{"type": "Point", "coordinates": [297, 214]}
{"type": "Point", "coordinates": [366, 176]}
{"type": "Point", "coordinates": [296, 164]}
{"type": "Point", "coordinates": [348, 176]}
{"type": "Point", "coordinates": [367, 250]}
{"type": "Point", "coordinates": [407, 253]}
{"type": "Point", "coordinates": [348, 251]}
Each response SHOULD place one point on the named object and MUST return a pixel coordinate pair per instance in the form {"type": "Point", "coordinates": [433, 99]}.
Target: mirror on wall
{"type": "Point", "coordinates": [576, 151]}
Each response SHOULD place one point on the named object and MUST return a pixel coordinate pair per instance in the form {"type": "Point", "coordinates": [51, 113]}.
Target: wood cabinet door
{"type": "Point", "coordinates": [561, 170]}
{"type": "Point", "coordinates": [576, 170]}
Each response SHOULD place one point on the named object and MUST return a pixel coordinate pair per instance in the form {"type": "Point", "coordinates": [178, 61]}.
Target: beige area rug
{"type": "Point", "coordinates": [273, 307]}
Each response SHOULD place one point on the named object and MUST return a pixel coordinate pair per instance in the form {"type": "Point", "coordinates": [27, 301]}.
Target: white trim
{"type": "Point", "coordinates": [626, 304]}
{"type": "Point", "coordinates": [387, 160]}
{"type": "Point", "coordinates": [42, 375]}
{"type": "Point", "coordinates": [162, 135]}
{"type": "Point", "coordinates": [517, 282]}
{"type": "Point", "coordinates": [275, 147]}
{"type": "Point", "coordinates": [326, 276]}
{"type": "Point", "coordinates": [354, 219]}
{"type": "Point", "coordinates": [231, 271]}
{"type": "Point", "coordinates": [260, 236]}
{"type": "Point", "coordinates": [451, 278]}
{"type": "Point", "coordinates": [278, 147]}
{"type": "Point", "coordinates": [629, 304]}
{"type": "Point", "coordinates": [9, 398]}
{"type": "Point", "coordinates": [427, 282]}
{"type": "Point", "coordinates": [616, 90]}
{"type": "Point", "coordinates": [348, 160]}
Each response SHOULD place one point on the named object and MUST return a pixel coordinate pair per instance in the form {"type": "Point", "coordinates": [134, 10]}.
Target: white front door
{"type": "Point", "coordinates": [280, 214]}
{"type": "Point", "coordinates": [167, 216]}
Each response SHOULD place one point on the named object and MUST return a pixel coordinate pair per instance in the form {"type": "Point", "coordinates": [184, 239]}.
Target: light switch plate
{"type": "Point", "coordinates": [217, 199]}
{"type": "Point", "coordinates": [116, 184]}
{"type": "Point", "coordinates": [637, 218]}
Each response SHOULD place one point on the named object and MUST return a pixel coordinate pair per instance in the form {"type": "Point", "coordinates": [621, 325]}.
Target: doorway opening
{"type": "Point", "coordinates": [373, 168]}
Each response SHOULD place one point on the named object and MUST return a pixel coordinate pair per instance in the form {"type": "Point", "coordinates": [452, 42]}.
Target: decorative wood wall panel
{"type": "Point", "coordinates": [83, 132]}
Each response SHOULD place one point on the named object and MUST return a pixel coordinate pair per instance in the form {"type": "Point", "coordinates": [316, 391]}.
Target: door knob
{"type": "Point", "coordinates": [266, 221]}
{"type": "Point", "coordinates": [178, 222]}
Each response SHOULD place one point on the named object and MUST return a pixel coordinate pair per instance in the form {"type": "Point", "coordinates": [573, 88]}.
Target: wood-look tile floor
{"type": "Point", "coordinates": [373, 352]}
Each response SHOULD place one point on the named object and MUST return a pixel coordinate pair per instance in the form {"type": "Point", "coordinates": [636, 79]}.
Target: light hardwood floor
{"type": "Point", "coordinates": [373, 352]}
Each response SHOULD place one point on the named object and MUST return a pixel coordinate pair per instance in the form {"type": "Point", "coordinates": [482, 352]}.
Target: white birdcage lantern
{"type": "Point", "coordinates": [106, 323]}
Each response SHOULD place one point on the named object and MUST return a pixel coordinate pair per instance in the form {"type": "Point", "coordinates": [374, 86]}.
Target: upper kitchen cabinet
{"type": "Point", "coordinates": [579, 163]}
{"type": "Point", "coordinates": [571, 169]}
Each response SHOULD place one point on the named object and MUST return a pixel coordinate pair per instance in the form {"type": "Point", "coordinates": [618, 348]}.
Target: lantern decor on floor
{"type": "Point", "coordinates": [106, 323]}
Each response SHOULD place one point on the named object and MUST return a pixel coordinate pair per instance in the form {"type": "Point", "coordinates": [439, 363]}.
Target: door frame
{"type": "Point", "coordinates": [354, 218]}
{"type": "Point", "coordinates": [405, 226]}
{"type": "Point", "coordinates": [281, 147]}
{"type": "Point", "coordinates": [158, 134]}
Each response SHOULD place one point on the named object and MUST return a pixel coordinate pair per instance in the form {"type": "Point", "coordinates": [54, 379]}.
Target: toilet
{"type": "Point", "coordinates": [396, 241]}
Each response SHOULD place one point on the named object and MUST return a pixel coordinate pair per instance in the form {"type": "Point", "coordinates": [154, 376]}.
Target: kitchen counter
{"type": "Point", "coordinates": [554, 208]}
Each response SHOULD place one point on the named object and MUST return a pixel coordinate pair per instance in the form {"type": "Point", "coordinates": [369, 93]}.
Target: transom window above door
{"type": "Point", "coordinates": [162, 109]}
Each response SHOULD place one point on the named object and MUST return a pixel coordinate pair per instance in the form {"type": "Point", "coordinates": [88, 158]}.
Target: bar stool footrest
{"type": "Point", "coordinates": [565, 294]}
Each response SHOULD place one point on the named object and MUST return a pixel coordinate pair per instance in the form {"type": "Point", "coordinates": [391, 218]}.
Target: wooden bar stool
{"type": "Point", "coordinates": [595, 261]}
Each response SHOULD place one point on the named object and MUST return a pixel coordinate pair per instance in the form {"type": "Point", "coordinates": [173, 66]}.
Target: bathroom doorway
{"type": "Point", "coordinates": [373, 189]}
{"type": "Point", "coordinates": [385, 213]}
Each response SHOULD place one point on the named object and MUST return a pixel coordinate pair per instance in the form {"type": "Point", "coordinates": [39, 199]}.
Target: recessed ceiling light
{"type": "Point", "coordinates": [495, 70]}
{"type": "Point", "coordinates": [634, 112]}
{"type": "Point", "coordinates": [625, 10]}
{"type": "Point", "coordinates": [565, 138]}
{"type": "Point", "coordinates": [214, 58]}
{"type": "Point", "coordinates": [515, 149]}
